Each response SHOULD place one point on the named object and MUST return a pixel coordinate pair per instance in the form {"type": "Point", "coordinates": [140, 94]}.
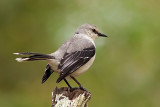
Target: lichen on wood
{"type": "Point", "coordinates": [64, 97]}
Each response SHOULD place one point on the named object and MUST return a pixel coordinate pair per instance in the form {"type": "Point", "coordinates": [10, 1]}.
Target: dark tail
{"type": "Point", "coordinates": [33, 57]}
{"type": "Point", "coordinates": [48, 72]}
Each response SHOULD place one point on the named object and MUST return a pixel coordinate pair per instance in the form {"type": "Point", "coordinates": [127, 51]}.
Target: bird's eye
{"type": "Point", "coordinates": [76, 32]}
{"type": "Point", "coordinates": [94, 30]}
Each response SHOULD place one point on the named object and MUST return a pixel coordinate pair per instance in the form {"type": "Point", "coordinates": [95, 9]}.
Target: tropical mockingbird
{"type": "Point", "coordinates": [73, 58]}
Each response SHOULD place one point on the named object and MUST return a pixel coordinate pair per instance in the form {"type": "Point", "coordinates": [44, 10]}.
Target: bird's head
{"type": "Point", "coordinates": [89, 30]}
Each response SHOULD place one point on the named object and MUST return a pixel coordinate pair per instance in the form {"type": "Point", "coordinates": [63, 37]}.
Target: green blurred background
{"type": "Point", "coordinates": [126, 72]}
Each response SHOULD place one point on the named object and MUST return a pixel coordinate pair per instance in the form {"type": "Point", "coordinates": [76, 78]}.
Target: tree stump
{"type": "Point", "coordinates": [64, 97]}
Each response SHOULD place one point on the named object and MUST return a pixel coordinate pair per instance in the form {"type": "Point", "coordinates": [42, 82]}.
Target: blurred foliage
{"type": "Point", "coordinates": [126, 72]}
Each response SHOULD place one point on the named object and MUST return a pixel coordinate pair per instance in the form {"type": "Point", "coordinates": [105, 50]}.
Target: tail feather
{"type": "Point", "coordinates": [33, 57]}
{"type": "Point", "coordinates": [47, 73]}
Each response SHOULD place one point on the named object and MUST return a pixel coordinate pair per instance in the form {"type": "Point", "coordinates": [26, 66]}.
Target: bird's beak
{"type": "Point", "coordinates": [101, 34]}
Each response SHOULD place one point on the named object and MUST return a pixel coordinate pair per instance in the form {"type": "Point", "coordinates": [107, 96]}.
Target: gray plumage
{"type": "Point", "coordinates": [74, 56]}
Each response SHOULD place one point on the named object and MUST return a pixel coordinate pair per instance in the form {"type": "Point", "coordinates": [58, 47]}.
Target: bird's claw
{"type": "Point", "coordinates": [82, 88]}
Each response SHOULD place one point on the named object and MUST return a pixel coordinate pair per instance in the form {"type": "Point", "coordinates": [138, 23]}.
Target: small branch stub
{"type": "Point", "coordinates": [64, 97]}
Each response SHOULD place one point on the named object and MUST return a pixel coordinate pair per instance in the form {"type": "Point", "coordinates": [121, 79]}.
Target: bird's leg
{"type": "Point", "coordinates": [67, 83]}
{"type": "Point", "coordinates": [80, 86]}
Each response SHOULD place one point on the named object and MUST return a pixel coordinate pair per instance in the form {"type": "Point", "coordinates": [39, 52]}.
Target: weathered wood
{"type": "Point", "coordinates": [64, 97]}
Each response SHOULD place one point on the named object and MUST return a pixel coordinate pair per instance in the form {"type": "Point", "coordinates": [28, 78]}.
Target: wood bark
{"type": "Point", "coordinates": [64, 97]}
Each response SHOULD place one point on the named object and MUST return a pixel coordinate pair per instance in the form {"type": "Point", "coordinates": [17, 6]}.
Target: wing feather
{"type": "Point", "coordinates": [72, 61]}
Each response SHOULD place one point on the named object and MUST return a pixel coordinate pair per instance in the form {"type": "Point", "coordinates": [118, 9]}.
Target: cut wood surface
{"type": "Point", "coordinates": [64, 97]}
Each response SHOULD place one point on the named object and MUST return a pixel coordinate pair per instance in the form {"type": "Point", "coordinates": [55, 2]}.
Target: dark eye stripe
{"type": "Point", "coordinates": [94, 30]}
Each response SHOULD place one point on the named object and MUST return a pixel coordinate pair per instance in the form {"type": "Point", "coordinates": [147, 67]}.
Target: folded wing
{"type": "Point", "coordinates": [72, 61]}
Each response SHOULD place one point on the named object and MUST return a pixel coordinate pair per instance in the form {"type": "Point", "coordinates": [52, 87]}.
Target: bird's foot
{"type": "Point", "coordinates": [72, 89]}
{"type": "Point", "coordinates": [82, 88]}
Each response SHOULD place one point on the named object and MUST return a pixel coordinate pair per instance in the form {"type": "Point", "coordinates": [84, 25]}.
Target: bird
{"type": "Point", "coordinates": [74, 57]}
